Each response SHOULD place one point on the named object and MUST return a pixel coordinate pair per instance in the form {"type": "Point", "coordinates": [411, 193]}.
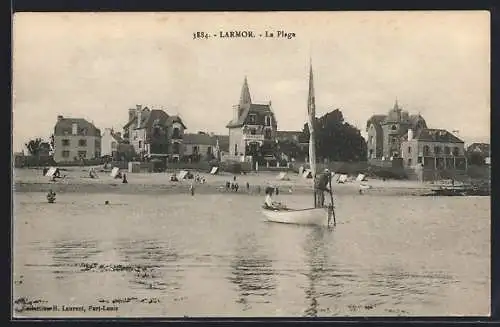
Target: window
{"type": "Point", "coordinates": [176, 148]}
{"type": "Point", "coordinates": [419, 160]}
{"type": "Point", "coordinates": [97, 154]}
{"type": "Point", "coordinates": [82, 154]}
{"type": "Point", "coordinates": [437, 150]}
{"type": "Point", "coordinates": [195, 149]}
{"type": "Point", "coordinates": [236, 149]}
{"type": "Point", "coordinates": [97, 144]}
{"type": "Point", "coordinates": [456, 151]}
{"type": "Point", "coordinates": [267, 134]}
{"type": "Point", "coordinates": [426, 150]}
{"type": "Point", "coordinates": [268, 121]}
{"type": "Point", "coordinates": [140, 144]}
{"type": "Point", "coordinates": [65, 142]}
{"type": "Point", "coordinates": [65, 154]}
{"type": "Point", "coordinates": [447, 150]}
{"type": "Point", "coordinates": [252, 118]}
{"type": "Point", "coordinates": [409, 161]}
{"type": "Point", "coordinates": [370, 140]}
{"type": "Point", "coordinates": [176, 134]}
{"type": "Point", "coordinates": [409, 149]}
{"type": "Point", "coordinates": [209, 150]}
{"type": "Point", "coordinates": [253, 131]}
{"type": "Point", "coordinates": [82, 142]}
{"type": "Point", "coordinates": [113, 145]}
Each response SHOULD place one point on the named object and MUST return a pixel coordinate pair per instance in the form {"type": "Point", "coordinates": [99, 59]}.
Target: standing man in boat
{"type": "Point", "coordinates": [321, 184]}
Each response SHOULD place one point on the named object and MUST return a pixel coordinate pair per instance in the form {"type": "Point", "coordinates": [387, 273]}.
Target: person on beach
{"type": "Point", "coordinates": [321, 186]}
{"type": "Point", "coordinates": [124, 181]}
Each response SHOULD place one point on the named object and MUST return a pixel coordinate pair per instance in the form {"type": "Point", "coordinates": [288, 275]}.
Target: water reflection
{"type": "Point", "coordinates": [408, 287]}
{"type": "Point", "coordinates": [153, 263]}
{"type": "Point", "coordinates": [71, 253]}
{"type": "Point", "coordinates": [316, 254]}
{"type": "Point", "coordinates": [251, 272]}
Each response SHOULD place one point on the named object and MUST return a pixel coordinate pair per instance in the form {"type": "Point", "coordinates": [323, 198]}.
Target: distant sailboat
{"type": "Point", "coordinates": [306, 216]}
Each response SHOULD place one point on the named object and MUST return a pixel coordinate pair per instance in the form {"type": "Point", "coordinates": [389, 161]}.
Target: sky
{"type": "Point", "coordinates": [98, 65]}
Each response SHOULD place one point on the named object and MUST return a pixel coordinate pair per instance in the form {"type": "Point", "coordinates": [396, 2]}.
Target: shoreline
{"type": "Point", "coordinates": [184, 188]}
{"type": "Point", "coordinates": [77, 181]}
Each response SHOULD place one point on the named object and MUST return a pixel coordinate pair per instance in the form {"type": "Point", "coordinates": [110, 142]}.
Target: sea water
{"type": "Point", "coordinates": [215, 255]}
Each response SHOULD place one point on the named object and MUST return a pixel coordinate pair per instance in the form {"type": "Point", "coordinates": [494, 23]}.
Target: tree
{"type": "Point", "coordinates": [337, 140]}
{"type": "Point", "coordinates": [34, 146]}
{"type": "Point", "coordinates": [476, 158]}
{"type": "Point", "coordinates": [291, 149]}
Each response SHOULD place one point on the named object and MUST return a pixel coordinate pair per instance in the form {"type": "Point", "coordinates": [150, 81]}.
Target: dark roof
{"type": "Point", "coordinates": [207, 139]}
{"type": "Point", "coordinates": [148, 118]}
{"type": "Point", "coordinates": [479, 147]}
{"type": "Point", "coordinates": [246, 109]}
{"type": "Point", "coordinates": [376, 120]}
{"type": "Point", "coordinates": [436, 135]}
{"type": "Point", "coordinates": [64, 126]}
{"type": "Point", "coordinates": [204, 139]}
{"type": "Point", "coordinates": [175, 119]}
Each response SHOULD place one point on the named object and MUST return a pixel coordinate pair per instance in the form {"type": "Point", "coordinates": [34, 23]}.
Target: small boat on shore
{"type": "Point", "coordinates": [308, 216]}
{"type": "Point", "coordinates": [462, 190]}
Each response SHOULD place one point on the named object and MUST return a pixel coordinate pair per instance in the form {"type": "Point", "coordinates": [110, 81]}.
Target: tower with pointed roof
{"type": "Point", "coordinates": [252, 130]}
{"type": "Point", "coordinates": [385, 131]}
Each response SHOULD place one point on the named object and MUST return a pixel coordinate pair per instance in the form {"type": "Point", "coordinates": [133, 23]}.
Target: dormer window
{"type": "Point", "coordinates": [252, 118]}
{"type": "Point", "coordinates": [394, 127]}
{"type": "Point", "coordinates": [268, 121]}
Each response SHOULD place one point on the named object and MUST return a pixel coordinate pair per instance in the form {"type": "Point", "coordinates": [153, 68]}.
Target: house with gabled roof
{"type": "Point", "coordinates": [252, 130]}
{"type": "Point", "coordinates": [433, 149]}
{"type": "Point", "coordinates": [110, 141]}
{"type": "Point", "coordinates": [385, 131]}
{"type": "Point", "coordinates": [153, 132]}
{"type": "Point", "coordinates": [76, 139]}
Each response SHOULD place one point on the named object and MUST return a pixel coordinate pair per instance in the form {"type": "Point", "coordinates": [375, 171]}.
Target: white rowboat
{"type": "Point", "coordinates": [310, 216]}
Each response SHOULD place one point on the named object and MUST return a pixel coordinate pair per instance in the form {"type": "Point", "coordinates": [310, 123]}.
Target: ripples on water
{"type": "Point", "coordinates": [215, 256]}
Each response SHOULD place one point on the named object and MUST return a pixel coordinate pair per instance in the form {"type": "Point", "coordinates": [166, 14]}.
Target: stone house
{"type": "Point", "coordinates": [433, 149]}
{"type": "Point", "coordinates": [110, 141]}
{"type": "Point", "coordinates": [252, 130]}
{"type": "Point", "coordinates": [385, 131]}
{"type": "Point", "coordinates": [76, 139]}
{"type": "Point", "coordinates": [154, 133]}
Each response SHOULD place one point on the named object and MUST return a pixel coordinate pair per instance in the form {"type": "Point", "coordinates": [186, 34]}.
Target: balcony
{"type": "Point", "coordinates": [253, 137]}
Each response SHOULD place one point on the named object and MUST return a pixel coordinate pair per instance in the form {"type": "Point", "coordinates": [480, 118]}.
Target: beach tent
{"type": "Point", "coordinates": [283, 176]}
{"type": "Point", "coordinates": [301, 170]}
{"type": "Point", "coordinates": [115, 171]}
{"type": "Point", "coordinates": [307, 174]}
{"type": "Point", "coordinates": [342, 178]}
{"type": "Point", "coordinates": [182, 174]}
{"type": "Point", "coordinates": [214, 170]}
{"type": "Point", "coordinates": [360, 178]}
{"type": "Point", "coordinates": [51, 172]}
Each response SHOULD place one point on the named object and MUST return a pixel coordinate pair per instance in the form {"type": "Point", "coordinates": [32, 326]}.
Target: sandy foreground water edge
{"type": "Point", "coordinates": [77, 180]}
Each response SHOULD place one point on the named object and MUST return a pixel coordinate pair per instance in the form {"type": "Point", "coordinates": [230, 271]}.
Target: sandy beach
{"type": "Point", "coordinates": [77, 180]}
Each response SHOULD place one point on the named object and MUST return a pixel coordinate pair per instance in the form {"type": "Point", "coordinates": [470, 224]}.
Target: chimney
{"type": "Point", "coordinates": [59, 118]}
{"type": "Point", "coordinates": [410, 134]}
{"type": "Point", "coordinates": [139, 115]}
{"type": "Point", "coordinates": [74, 129]}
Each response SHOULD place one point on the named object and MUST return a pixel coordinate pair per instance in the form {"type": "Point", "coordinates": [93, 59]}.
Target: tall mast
{"type": "Point", "coordinates": [311, 111]}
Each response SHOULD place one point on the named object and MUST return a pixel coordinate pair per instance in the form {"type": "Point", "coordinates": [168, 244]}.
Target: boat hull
{"type": "Point", "coordinates": [312, 216]}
